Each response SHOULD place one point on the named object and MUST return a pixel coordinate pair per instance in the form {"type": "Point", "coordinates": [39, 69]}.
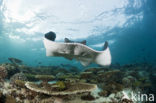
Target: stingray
{"type": "Point", "coordinates": [76, 50]}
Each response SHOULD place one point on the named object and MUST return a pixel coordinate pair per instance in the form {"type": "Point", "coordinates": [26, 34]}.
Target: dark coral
{"type": "Point", "coordinates": [111, 87]}
{"type": "Point", "coordinates": [10, 99]}
{"type": "Point", "coordinates": [103, 93]}
{"type": "Point", "coordinates": [3, 73]}
{"type": "Point", "coordinates": [88, 97]}
{"type": "Point", "coordinates": [2, 97]}
{"type": "Point", "coordinates": [17, 76]}
{"type": "Point", "coordinates": [11, 69]}
{"type": "Point", "coordinates": [19, 83]}
{"type": "Point", "coordinates": [31, 77]}
{"type": "Point", "coordinates": [126, 101]}
{"type": "Point", "coordinates": [111, 76]}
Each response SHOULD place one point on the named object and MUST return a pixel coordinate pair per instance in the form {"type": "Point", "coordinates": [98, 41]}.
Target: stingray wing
{"type": "Point", "coordinates": [103, 58]}
{"type": "Point", "coordinates": [82, 53]}
{"type": "Point", "coordinates": [85, 62]}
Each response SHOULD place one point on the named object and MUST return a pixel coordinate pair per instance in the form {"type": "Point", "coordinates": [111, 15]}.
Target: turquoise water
{"type": "Point", "coordinates": [128, 25]}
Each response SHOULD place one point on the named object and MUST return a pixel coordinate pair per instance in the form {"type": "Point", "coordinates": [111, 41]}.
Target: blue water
{"type": "Point", "coordinates": [128, 25]}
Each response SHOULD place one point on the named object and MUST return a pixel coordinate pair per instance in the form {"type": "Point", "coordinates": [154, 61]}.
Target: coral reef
{"type": "Point", "coordinates": [60, 85]}
{"type": "Point", "coordinates": [126, 101]}
{"type": "Point", "coordinates": [2, 97]}
{"type": "Point", "coordinates": [20, 83]}
{"type": "Point", "coordinates": [11, 69]}
{"type": "Point", "coordinates": [128, 81]}
{"type": "Point", "coordinates": [71, 88]}
{"type": "Point", "coordinates": [56, 84]}
{"type": "Point", "coordinates": [111, 76]}
{"type": "Point", "coordinates": [45, 79]}
{"type": "Point", "coordinates": [31, 77]}
{"type": "Point", "coordinates": [86, 75]}
{"type": "Point", "coordinates": [17, 76]}
{"type": "Point", "coordinates": [88, 97]}
{"type": "Point", "coordinates": [10, 99]}
{"type": "Point", "coordinates": [3, 73]}
{"type": "Point", "coordinates": [103, 93]}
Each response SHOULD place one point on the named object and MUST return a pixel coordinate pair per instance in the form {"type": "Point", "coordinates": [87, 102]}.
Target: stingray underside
{"type": "Point", "coordinates": [78, 51]}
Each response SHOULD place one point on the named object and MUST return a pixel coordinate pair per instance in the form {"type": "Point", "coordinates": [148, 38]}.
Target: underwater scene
{"type": "Point", "coordinates": [77, 51]}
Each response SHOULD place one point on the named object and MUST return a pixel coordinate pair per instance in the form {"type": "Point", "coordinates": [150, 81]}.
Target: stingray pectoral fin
{"type": "Point", "coordinates": [49, 53]}
{"type": "Point", "coordinates": [84, 63]}
{"type": "Point", "coordinates": [103, 58]}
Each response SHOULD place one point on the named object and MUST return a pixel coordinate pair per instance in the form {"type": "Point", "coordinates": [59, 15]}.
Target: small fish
{"type": "Point", "coordinates": [39, 62]}
{"type": "Point", "coordinates": [15, 60]}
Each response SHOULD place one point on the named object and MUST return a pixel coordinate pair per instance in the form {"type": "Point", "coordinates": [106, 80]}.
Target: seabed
{"type": "Point", "coordinates": [53, 84]}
